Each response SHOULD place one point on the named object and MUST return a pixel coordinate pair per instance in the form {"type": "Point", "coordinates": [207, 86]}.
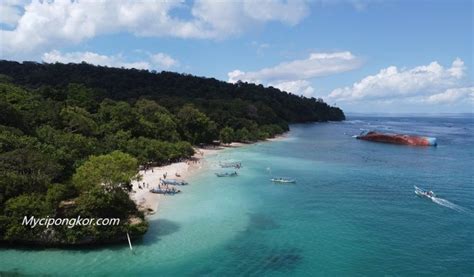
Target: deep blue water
{"type": "Point", "coordinates": [352, 212]}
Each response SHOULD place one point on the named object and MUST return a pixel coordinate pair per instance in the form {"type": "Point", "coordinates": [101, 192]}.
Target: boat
{"type": "Point", "coordinates": [230, 164]}
{"type": "Point", "coordinates": [227, 174]}
{"type": "Point", "coordinates": [424, 193]}
{"type": "Point", "coordinates": [175, 182]}
{"type": "Point", "coordinates": [165, 191]}
{"type": "Point", "coordinates": [283, 180]}
{"type": "Point", "coordinates": [397, 138]}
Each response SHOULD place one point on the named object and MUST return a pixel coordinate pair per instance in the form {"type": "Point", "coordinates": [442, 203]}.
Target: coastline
{"type": "Point", "coordinates": [149, 202]}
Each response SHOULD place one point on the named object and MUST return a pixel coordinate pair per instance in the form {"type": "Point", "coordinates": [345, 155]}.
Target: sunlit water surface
{"type": "Point", "coordinates": [353, 211]}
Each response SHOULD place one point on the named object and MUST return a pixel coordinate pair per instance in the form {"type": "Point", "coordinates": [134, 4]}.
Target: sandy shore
{"type": "Point", "coordinates": [149, 202]}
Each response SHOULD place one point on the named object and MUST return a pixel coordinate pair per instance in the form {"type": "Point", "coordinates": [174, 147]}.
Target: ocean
{"type": "Point", "coordinates": [352, 211]}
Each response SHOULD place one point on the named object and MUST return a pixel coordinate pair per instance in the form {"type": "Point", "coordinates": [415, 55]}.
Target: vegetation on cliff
{"type": "Point", "coordinates": [72, 138]}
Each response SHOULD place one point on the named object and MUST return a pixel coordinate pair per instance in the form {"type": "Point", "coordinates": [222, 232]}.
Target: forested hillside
{"type": "Point", "coordinates": [72, 137]}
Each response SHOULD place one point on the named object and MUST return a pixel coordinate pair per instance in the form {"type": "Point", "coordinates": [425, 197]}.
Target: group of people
{"type": "Point", "coordinates": [143, 186]}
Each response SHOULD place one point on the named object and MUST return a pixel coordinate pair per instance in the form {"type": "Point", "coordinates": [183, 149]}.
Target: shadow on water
{"type": "Point", "coordinates": [254, 259]}
{"type": "Point", "coordinates": [12, 273]}
{"type": "Point", "coordinates": [250, 254]}
{"type": "Point", "coordinates": [157, 229]}
{"type": "Point", "coordinates": [282, 260]}
{"type": "Point", "coordinates": [259, 221]}
{"type": "Point", "coordinates": [257, 258]}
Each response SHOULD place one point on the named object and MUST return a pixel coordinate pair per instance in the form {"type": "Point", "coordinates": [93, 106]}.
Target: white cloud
{"type": "Point", "coordinates": [392, 83]}
{"type": "Point", "coordinates": [163, 60]}
{"type": "Point", "coordinates": [452, 95]}
{"type": "Point", "coordinates": [316, 65]}
{"type": "Point", "coordinates": [10, 11]}
{"type": "Point", "coordinates": [47, 23]}
{"type": "Point", "coordinates": [290, 12]}
{"type": "Point", "coordinates": [293, 76]}
{"type": "Point", "coordinates": [155, 61]}
{"type": "Point", "coordinates": [299, 87]}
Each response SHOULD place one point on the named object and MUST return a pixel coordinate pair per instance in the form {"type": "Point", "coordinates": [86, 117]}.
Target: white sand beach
{"type": "Point", "coordinates": [148, 201]}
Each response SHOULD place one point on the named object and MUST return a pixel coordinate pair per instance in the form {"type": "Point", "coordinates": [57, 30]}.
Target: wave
{"type": "Point", "coordinates": [446, 203]}
{"type": "Point", "coordinates": [356, 121]}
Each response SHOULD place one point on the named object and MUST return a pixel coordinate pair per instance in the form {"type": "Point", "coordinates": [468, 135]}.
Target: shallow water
{"type": "Point", "coordinates": [353, 211]}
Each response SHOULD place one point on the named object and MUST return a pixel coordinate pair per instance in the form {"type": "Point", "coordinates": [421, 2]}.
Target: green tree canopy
{"type": "Point", "coordinates": [78, 120]}
{"type": "Point", "coordinates": [195, 126]}
{"type": "Point", "coordinates": [113, 170]}
{"type": "Point", "coordinates": [226, 135]}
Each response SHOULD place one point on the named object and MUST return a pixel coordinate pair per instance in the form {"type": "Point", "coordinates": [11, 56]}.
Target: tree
{"type": "Point", "coordinates": [26, 170]}
{"type": "Point", "coordinates": [16, 209]}
{"type": "Point", "coordinates": [116, 169]}
{"type": "Point", "coordinates": [78, 120]}
{"type": "Point", "coordinates": [195, 126]}
{"type": "Point", "coordinates": [242, 135]}
{"type": "Point", "coordinates": [115, 116]}
{"type": "Point", "coordinates": [81, 96]}
{"type": "Point", "coordinates": [226, 135]}
{"type": "Point", "coordinates": [99, 203]}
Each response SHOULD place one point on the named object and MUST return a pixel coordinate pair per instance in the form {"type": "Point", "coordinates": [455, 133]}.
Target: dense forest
{"type": "Point", "coordinates": [72, 138]}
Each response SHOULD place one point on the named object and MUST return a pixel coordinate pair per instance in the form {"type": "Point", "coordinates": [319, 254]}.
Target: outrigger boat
{"type": "Point", "coordinates": [165, 191]}
{"type": "Point", "coordinates": [424, 193]}
{"type": "Point", "coordinates": [230, 164]}
{"type": "Point", "coordinates": [283, 180]}
{"type": "Point", "coordinates": [227, 174]}
{"type": "Point", "coordinates": [175, 182]}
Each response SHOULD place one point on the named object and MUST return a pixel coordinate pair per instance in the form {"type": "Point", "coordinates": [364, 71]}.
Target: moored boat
{"type": "Point", "coordinates": [175, 182]}
{"type": "Point", "coordinates": [397, 138]}
{"type": "Point", "coordinates": [165, 191]}
{"type": "Point", "coordinates": [282, 180]}
{"type": "Point", "coordinates": [227, 174]}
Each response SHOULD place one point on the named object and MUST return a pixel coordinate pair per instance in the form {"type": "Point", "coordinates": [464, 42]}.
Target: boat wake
{"type": "Point", "coordinates": [440, 201]}
{"type": "Point", "coordinates": [447, 204]}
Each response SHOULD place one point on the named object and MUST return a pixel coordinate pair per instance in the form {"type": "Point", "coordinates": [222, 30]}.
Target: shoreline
{"type": "Point", "coordinates": [149, 202]}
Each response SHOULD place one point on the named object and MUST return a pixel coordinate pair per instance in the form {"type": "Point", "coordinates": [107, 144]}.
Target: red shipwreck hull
{"type": "Point", "coordinates": [398, 139]}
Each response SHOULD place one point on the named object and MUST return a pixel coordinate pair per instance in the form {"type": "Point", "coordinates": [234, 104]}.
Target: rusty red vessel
{"type": "Point", "coordinates": [397, 138]}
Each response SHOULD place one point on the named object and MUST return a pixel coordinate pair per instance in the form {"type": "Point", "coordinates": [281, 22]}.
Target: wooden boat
{"type": "Point", "coordinates": [283, 180]}
{"type": "Point", "coordinates": [165, 191]}
{"type": "Point", "coordinates": [227, 174]}
{"type": "Point", "coordinates": [175, 182]}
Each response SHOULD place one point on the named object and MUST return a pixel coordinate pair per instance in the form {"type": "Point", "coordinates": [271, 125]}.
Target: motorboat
{"type": "Point", "coordinates": [283, 180]}
{"type": "Point", "coordinates": [227, 174]}
{"type": "Point", "coordinates": [424, 193]}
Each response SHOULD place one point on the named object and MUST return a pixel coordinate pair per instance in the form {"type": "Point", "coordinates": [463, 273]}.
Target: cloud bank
{"type": "Point", "coordinates": [430, 83]}
{"type": "Point", "coordinates": [39, 25]}
{"type": "Point", "coordinates": [293, 76]}
{"type": "Point", "coordinates": [154, 61]}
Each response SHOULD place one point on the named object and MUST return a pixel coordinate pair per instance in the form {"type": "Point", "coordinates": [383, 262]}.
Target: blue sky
{"type": "Point", "coordinates": [364, 56]}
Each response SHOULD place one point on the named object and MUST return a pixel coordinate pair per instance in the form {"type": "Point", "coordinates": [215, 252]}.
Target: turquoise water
{"type": "Point", "coordinates": [352, 211]}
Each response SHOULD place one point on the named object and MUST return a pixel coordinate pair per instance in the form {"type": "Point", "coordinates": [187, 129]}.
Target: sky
{"type": "Point", "coordinates": [362, 56]}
